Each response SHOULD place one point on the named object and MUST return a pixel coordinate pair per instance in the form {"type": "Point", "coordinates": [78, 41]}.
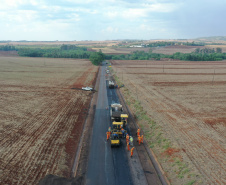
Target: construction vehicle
{"type": "Point", "coordinates": [117, 114]}
{"type": "Point", "coordinates": [117, 127]}
{"type": "Point", "coordinates": [116, 111]}
{"type": "Point", "coordinates": [111, 84]}
{"type": "Point", "coordinates": [115, 139]}
{"type": "Point", "coordinates": [119, 119]}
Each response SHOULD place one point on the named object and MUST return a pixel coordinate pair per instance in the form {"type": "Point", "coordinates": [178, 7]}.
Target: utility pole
{"type": "Point", "coordinates": [213, 76]}
{"type": "Point", "coordinates": [136, 92]}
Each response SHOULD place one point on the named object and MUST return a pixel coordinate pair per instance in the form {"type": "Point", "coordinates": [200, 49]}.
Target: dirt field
{"type": "Point", "coordinates": [169, 50]}
{"type": "Point", "coordinates": [120, 51]}
{"type": "Point", "coordinates": [187, 100]}
{"type": "Point", "coordinates": [41, 116]}
{"type": "Point", "coordinates": [81, 43]}
{"type": "Point", "coordinates": [8, 54]}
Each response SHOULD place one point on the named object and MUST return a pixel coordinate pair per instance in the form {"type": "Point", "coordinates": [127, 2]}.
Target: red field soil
{"type": "Point", "coordinates": [173, 49]}
{"type": "Point", "coordinates": [8, 53]}
{"type": "Point", "coordinates": [41, 116]}
{"type": "Point", "coordinates": [188, 101]}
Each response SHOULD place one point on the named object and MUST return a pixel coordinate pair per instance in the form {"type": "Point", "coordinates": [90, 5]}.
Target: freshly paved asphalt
{"type": "Point", "coordinates": [106, 165]}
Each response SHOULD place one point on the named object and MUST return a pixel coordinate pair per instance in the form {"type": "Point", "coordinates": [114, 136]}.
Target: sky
{"type": "Point", "coordinates": [69, 20]}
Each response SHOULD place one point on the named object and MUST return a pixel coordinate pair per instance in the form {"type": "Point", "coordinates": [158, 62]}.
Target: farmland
{"type": "Point", "coordinates": [41, 116]}
{"type": "Point", "coordinates": [186, 104]}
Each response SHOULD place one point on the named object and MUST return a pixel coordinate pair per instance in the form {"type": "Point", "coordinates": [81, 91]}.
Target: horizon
{"type": "Point", "coordinates": [208, 37]}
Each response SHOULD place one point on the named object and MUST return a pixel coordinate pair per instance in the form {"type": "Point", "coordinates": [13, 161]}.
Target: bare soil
{"type": "Point", "coordinates": [169, 50]}
{"type": "Point", "coordinates": [41, 116]}
{"type": "Point", "coordinates": [115, 51]}
{"type": "Point", "coordinates": [187, 100]}
{"type": "Point", "coordinates": [8, 53]}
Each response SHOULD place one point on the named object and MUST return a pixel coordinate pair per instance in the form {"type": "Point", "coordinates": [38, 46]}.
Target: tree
{"type": "Point", "coordinates": [97, 57]}
{"type": "Point", "coordinates": [218, 50]}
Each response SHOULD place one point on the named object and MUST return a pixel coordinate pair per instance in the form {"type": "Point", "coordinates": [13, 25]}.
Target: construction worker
{"type": "Point", "coordinates": [123, 132]}
{"type": "Point", "coordinates": [115, 136]}
{"type": "Point", "coordinates": [131, 140]}
{"type": "Point", "coordinates": [139, 139]}
{"type": "Point", "coordinates": [127, 138]}
{"type": "Point", "coordinates": [131, 154]}
{"type": "Point", "coordinates": [142, 139]}
{"type": "Point", "coordinates": [108, 135]}
{"type": "Point", "coordinates": [109, 129]}
{"type": "Point", "coordinates": [138, 132]}
{"type": "Point", "coordinates": [128, 148]}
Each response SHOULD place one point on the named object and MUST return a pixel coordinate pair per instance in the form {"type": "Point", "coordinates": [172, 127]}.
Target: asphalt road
{"type": "Point", "coordinates": [106, 165]}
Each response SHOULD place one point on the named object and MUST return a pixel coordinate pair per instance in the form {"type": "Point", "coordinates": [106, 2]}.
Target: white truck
{"type": "Point", "coordinates": [111, 84]}
{"type": "Point", "coordinates": [87, 88]}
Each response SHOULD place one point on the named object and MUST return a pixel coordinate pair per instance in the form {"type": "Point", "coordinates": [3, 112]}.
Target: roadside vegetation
{"type": "Point", "coordinates": [97, 57]}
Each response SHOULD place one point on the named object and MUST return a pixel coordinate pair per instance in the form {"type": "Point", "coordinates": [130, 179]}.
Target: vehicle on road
{"type": "Point", "coordinates": [111, 84]}
{"type": "Point", "coordinates": [117, 114]}
{"type": "Point", "coordinates": [116, 111]}
{"type": "Point", "coordinates": [119, 120]}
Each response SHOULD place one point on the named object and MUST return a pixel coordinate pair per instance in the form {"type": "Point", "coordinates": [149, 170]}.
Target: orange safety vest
{"type": "Point", "coordinates": [139, 139]}
{"type": "Point", "coordinates": [138, 132]}
{"type": "Point", "coordinates": [128, 146]}
{"type": "Point", "coordinates": [127, 138]}
{"type": "Point", "coordinates": [132, 151]}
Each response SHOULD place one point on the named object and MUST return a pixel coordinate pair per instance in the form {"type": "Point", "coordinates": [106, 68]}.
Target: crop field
{"type": "Point", "coordinates": [187, 100]}
{"type": "Point", "coordinates": [41, 116]}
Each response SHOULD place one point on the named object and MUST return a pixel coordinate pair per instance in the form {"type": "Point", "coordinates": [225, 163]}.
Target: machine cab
{"type": "Point", "coordinates": [124, 118]}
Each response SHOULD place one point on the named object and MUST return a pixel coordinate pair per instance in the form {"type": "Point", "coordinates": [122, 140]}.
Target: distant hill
{"type": "Point", "coordinates": [214, 38]}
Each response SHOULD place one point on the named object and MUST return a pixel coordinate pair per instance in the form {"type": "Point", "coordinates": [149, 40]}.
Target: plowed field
{"type": "Point", "coordinates": [188, 101]}
{"type": "Point", "coordinates": [41, 117]}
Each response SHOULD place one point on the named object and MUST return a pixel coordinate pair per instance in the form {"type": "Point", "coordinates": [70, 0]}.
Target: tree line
{"type": "Point", "coordinates": [202, 55]}
{"type": "Point", "coordinates": [7, 48]}
{"type": "Point", "coordinates": [163, 43]}
{"type": "Point", "coordinates": [73, 51]}
{"type": "Point", "coordinates": [64, 51]}
{"type": "Point", "coordinates": [199, 56]}
{"type": "Point", "coordinates": [208, 50]}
